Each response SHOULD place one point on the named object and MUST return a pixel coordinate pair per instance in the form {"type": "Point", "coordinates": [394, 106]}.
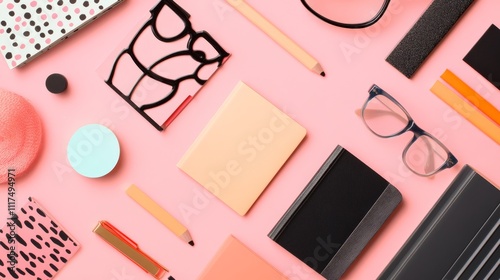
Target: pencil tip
{"type": "Point", "coordinates": [191, 243]}
{"type": "Point", "coordinates": [322, 74]}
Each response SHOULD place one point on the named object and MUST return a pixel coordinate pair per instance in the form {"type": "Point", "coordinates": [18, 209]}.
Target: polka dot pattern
{"type": "Point", "coordinates": [28, 28]}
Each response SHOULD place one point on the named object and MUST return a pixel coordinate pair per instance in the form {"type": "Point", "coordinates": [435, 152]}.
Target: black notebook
{"type": "Point", "coordinates": [338, 212]}
{"type": "Point", "coordinates": [459, 237]}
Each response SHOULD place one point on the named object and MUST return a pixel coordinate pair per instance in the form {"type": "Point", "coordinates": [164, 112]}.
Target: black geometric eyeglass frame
{"type": "Point", "coordinates": [147, 71]}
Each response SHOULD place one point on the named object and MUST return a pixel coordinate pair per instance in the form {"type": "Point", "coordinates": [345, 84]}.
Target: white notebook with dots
{"type": "Point", "coordinates": [29, 28]}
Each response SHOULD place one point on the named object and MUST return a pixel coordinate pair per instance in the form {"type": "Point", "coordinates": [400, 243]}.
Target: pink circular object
{"type": "Point", "coordinates": [20, 134]}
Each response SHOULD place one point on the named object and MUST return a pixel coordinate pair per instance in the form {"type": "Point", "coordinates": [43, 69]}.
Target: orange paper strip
{"type": "Point", "coordinates": [467, 111]}
{"type": "Point", "coordinates": [466, 91]}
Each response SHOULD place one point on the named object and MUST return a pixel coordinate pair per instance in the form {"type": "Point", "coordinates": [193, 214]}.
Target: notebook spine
{"type": "Point", "coordinates": [374, 219]}
{"type": "Point", "coordinates": [304, 196]}
{"type": "Point", "coordinates": [425, 227]}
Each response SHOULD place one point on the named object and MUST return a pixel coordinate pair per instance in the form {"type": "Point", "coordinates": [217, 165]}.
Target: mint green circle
{"type": "Point", "coordinates": [93, 150]}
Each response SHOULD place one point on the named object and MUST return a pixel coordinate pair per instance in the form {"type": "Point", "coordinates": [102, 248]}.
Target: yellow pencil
{"type": "Point", "coordinates": [278, 36]}
{"type": "Point", "coordinates": [159, 213]}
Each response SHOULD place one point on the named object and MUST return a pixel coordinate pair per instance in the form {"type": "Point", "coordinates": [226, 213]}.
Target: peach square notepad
{"type": "Point", "coordinates": [234, 260]}
{"type": "Point", "coordinates": [242, 148]}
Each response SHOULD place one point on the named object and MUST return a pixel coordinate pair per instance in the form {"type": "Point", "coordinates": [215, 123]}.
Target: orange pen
{"type": "Point", "coordinates": [130, 249]}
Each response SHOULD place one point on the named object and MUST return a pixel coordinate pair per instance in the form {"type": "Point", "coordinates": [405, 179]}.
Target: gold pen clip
{"type": "Point", "coordinates": [129, 248]}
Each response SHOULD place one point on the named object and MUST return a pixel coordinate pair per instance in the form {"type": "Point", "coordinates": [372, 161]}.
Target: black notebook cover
{"type": "Point", "coordinates": [338, 212]}
{"type": "Point", "coordinates": [458, 239]}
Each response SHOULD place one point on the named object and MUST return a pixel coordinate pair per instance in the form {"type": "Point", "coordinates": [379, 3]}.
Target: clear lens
{"type": "Point", "coordinates": [383, 117]}
{"type": "Point", "coordinates": [425, 156]}
{"type": "Point", "coordinates": [347, 11]}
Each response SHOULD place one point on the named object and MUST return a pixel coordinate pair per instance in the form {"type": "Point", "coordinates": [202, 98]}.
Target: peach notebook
{"type": "Point", "coordinates": [236, 261]}
{"type": "Point", "coordinates": [242, 148]}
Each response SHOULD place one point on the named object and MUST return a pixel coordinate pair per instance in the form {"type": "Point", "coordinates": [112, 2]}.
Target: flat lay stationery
{"type": "Point", "coordinates": [160, 82]}
{"type": "Point", "coordinates": [484, 57]}
{"type": "Point", "coordinates": [426, 34]}
{"type": "Point", "coordinates": [469, 112]}
{"type": "Point", "coordinates": [242, 148]}
{"type": "Point", "coordinates": [339, 211]}
{"type": "Point", "coordinates": [56, 83]}
{"type": "Point", "coordinates": [29, 30]}
{"type": "Point", "coordinates": [165, 123]}
{"type": "Point", "coordinates": [424, 155]}
{"type": "Point", "coordinates": [41, 245]}
{"type": "Point", "coordinates": [274, 33]}
{"type": "Point", "coordinates": [348, 14]}
{"type": "Point", "coordinates": [129, 248]}
{"type": "Point", "coordinates": [93, 150]}
{"type": "Point", "coordinates": [234, 260]}
{"type": "Point", "coordinates": [458, 239]}
{"type": "Point", "coordinates": [472, 96]}
{"type": "Point", "coordinates": [21, 134]}
{"type": "Point", "coordinates": [159, 213]}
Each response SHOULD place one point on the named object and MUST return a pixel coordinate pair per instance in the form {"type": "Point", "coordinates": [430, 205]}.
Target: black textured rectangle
{"type": "Point", "coordinates": [336, 215]}
{"type": "Point", "coordinates": [484, 57]}
{"type": "Point", "coordinates": [426, 34]}
{"type": "Point", "coordinates": [464, 212]}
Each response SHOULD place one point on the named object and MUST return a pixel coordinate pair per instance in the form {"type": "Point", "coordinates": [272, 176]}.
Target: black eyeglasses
{"type": "Point", "coordinates": [185, 61]}
{"type": "Point", "coordinates": [347, 13]}
{"type": "Point", "coordinates": [425, 155]}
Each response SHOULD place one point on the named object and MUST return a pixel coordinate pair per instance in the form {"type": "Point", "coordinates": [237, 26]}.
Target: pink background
{"type": "Point", "coordinates": [324, 106]}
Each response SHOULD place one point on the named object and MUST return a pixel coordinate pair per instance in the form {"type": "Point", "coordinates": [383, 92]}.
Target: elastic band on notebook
{"type": "Point", "coordinates": [466, 91]}
{"type": "Point", "coordinates": [467, 111]}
